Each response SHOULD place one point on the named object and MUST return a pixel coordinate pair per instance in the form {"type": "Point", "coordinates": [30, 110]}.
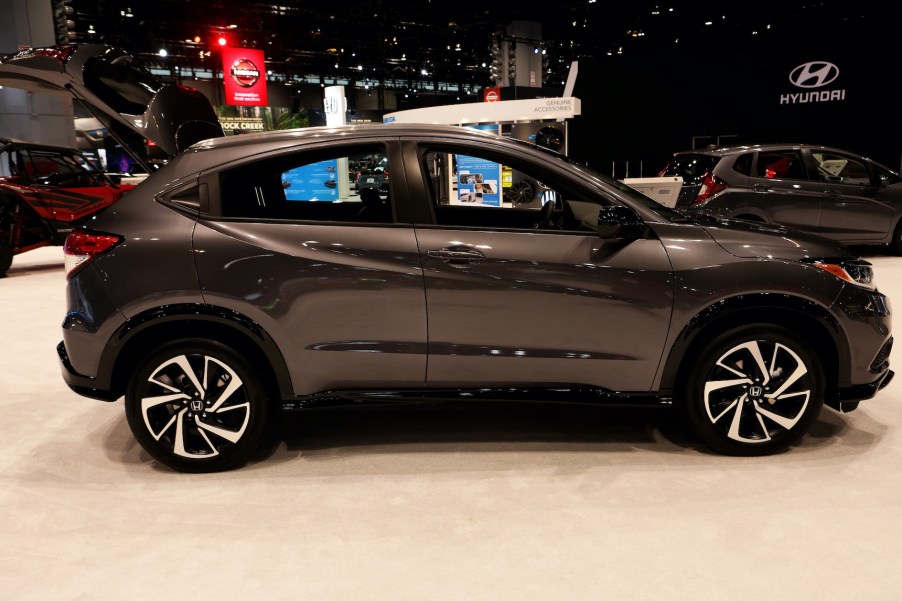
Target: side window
{"type": "Point", "coordinates": [7, 165]}
{"type": "Point", "coordinates": [54, 169]}
{"type": "Point", "coordinates": [350, 184]}
{"type": "Point", "coordinates": [783, 164]}
{"type": "Point", "coordinates": [743, 164]}
{"type": "Point", "coordinates": [837, 168]}
{"type": "Point", "coordinates": [472, 188]}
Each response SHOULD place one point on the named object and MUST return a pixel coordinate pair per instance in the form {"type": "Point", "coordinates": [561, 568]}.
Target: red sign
{"type": "Point", "coordinates": [491, 95]}
{"type": "Point", "coordinates": [244, 73]}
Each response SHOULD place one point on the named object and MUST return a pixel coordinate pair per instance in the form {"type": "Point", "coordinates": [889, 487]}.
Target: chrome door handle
{"type": "Point", "coordinates": [457, 256]}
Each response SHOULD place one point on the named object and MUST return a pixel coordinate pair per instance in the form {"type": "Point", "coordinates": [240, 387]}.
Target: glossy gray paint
{"type": "Point", "coordinates": [354, 306]}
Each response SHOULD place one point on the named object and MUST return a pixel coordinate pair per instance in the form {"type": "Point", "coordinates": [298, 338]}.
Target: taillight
{"type": "Point", "coordinates": [83, 245]}
{"type": "Point", "coordinates": [710, 186]}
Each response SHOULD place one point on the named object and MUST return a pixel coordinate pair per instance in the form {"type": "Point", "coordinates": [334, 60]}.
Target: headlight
{"type": "Point", "coordinates": [854, 271]}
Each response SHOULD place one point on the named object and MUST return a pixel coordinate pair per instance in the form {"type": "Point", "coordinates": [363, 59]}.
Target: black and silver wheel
{"type": "Point", "coordinates": [521, 193]}
{"type": "Point", "coordinates": [755, 390]}
{"type": "Point", "coordinates": [196, 406]}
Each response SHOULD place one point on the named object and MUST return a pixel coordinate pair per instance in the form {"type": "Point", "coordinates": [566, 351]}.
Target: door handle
{"type": "Point", "coordinates": [457, 256]}
{"type": "Point", "coordinates": [759, 187]}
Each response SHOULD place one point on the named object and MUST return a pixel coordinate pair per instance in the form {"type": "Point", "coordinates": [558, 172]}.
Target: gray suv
{"type": "Point", "coordinates": [232, 286]}
{"type": "Point", "coordinates": [825, 191]}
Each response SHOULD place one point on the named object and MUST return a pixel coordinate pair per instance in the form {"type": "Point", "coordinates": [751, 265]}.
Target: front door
{"type": "Point", "coordinates": [520, 297]}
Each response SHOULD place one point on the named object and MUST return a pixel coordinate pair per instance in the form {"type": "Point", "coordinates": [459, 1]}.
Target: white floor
{"type": "Point", "coordinates": [458, 503]}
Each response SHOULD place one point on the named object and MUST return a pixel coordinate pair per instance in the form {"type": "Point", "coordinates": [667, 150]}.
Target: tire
{"type": "Point", "coordinates": [6, 258]}
{"type": "Point", "coordinates": [738, 408]}
{"type": "Point", "coordinates": [196, 405]}
{"type": "Point", "coordinates": [895, 244]}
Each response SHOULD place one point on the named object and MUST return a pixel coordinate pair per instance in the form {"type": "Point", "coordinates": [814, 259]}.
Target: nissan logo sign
{"type": "Point", "coordinates": [245, 73]}
{"type": "Point", "coordinates": [815, 74]}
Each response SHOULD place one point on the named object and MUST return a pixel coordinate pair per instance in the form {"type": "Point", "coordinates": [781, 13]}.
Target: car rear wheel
{"type": "Point", "coordinates": [754, 390]}
{"type": "Point", "coordinates": [196, 405]}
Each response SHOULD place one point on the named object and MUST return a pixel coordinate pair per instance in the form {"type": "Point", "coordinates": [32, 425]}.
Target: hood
{"type": "Point", "coordinates": [747, 239]}
{"type": "Point", "coordinates": [116, 88]}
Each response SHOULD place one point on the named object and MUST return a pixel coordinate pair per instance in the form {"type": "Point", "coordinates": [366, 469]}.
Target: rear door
{"type": "Point", "coordinates": [335, 281]}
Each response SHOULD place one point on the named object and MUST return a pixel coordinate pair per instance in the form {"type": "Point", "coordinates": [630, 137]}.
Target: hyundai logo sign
{"type": "Point", "coordinates": [815, 74]}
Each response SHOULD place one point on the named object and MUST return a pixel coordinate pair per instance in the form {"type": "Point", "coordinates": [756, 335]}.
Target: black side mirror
{"type": "Point", "coordinates": [617, 221]}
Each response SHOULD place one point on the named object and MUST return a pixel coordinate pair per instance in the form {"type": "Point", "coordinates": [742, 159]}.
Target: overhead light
{"type": "Point", "coordinates": [162, 53]}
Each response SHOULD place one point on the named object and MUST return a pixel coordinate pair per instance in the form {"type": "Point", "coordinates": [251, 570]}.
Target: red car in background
{"type": "Point", "coordinates": [46, 191]}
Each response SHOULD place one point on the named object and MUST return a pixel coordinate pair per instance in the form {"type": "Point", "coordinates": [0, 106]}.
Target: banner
{"type": "Point", "coordinates": [244, 74]}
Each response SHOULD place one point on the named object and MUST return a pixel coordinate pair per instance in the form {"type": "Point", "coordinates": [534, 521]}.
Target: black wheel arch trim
{"type": "Point", "coordinates": [109, 377]}
{"type": "Point", "coordinates": [729, 309]}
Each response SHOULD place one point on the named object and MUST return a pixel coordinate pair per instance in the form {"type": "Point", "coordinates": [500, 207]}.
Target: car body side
{"type": "Point", "coordinates": [703, 288]}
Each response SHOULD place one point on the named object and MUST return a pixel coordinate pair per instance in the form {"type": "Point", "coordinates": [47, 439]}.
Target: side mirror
{"type": "Point", "coordinates": [617, 221]}
{"type": "Point", "coordinates": [115, 178]}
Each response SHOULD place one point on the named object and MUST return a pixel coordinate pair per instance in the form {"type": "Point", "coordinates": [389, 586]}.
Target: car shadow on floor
{"type": "Point", "coordinates": [475, 428]}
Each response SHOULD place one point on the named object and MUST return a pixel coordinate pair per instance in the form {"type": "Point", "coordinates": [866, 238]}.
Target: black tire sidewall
{"type": "Point", "coordinates": [693, 401]}
{"type": "Point", "coordinates": [236, 454]}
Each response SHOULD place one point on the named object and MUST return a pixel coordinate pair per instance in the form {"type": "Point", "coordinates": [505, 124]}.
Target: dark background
{"type": "Point", "coordinates": [645, 106]}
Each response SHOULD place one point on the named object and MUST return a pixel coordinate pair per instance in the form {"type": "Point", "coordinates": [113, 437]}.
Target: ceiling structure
{"type": "Point", "coordinates": [439, 41]}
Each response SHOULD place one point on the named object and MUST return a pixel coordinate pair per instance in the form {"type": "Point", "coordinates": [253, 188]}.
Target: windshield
{"type": "Point", "coordinates": [664, 212]}
{"type": "Point", "coordinates": [634, 195]}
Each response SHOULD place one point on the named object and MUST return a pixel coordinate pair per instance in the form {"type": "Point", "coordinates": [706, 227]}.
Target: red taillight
{"type": "Point", "coordinates": [710, 186]}
{"type": "Point", "coordinates": [82, 246]}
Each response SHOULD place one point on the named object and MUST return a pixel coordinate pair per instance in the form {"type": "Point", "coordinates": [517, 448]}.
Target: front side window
{"type": "Point", "coordinates": [473, 188]}
{"type": "Point", "coordinates": [838, 168]}
{"type": "Point", "coordinates": [782, 164]}
{"type": "Point", "coordinates": [350, 184]}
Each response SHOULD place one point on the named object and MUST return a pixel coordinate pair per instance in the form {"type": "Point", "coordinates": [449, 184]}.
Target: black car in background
{"type": "Point", "coordinates": [213, 300]}
{"type": "Point", "coordinates": [826, 191]}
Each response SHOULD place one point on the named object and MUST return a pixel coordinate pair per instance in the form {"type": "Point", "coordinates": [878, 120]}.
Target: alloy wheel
{"type": "Point", "coordinates": [757, 391]}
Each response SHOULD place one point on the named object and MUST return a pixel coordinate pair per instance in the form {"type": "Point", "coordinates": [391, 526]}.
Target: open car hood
{"type": "Point", "coordinates": [116, 88]}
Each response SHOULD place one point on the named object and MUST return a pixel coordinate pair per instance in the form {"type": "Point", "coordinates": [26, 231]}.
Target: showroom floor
{"type": "Point", "coordinates": [445, 503]}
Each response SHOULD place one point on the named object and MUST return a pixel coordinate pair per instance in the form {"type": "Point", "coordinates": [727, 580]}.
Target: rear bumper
{"type": "Point", "coordinates": [83, 385]}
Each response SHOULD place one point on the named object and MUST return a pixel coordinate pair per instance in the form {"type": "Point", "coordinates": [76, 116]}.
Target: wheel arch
{"type": "Point", "coordinates": [146, 331]}
{"type": "Point", "coordinates": [815, 323]}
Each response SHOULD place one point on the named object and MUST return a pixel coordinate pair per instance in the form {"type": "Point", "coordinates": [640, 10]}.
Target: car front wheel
{"type": "Point", "coordinates": [754, 390]}
{"type": "Point", "coordinates": [196, 406]}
